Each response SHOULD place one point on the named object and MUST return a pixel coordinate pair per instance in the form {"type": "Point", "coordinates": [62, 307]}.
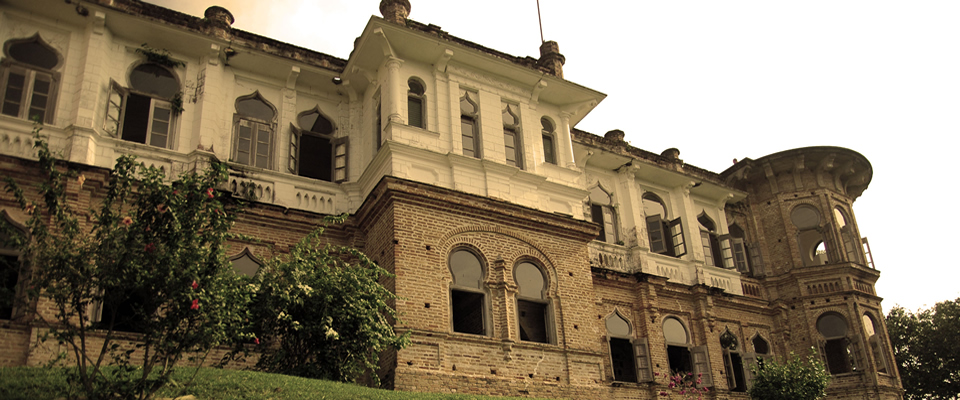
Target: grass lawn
{"type": "Point", "coordinates": [216, 384]}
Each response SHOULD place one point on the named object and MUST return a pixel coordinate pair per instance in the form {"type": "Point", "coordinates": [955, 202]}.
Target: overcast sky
{"type": "Point", "coordinates": [735, 79]}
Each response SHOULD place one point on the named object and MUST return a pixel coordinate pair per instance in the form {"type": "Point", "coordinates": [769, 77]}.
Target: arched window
{"type": "Point", "coordinates": [734, 362]}
{"type": "Point", "coordinates": [532, 304]}
{"type": "Point", "coordinates": [813, 249]}
{"type": "Point", "coordinates": [512, 143]}
{"type": "Point", "coordinates": [245, 263]}
{"type": "Point", "coordinates": [760, 345]}
{"type": "Point", "coordinates": [717, 249]}
{"type": "Point", "coordinates": [603, 213]}
{"type": "Point", "coordinates": [629, 356]}
{"type": "Point", "coordinates": [415, 104]}
{"type": "Point", "coordinates": [549, 141]}
{"type": "Point", "coordinates": [666, 236]}
{"type": "Point", "coordinates": [30, 79]}
{"type": "Point", "coordinates": [848, 236]}
{"type": "Point", "coordinates": [468, 302]}
{"type": "Point", "coordinates": [314, 152]}
{"type": "Point", "coordinates": [144, 112]}
{"type": "Point", "coordinates": [470, 124]}
{"type": "Point", "coordinates": [872, 330]}
{"type": "Point", "coordinates": [254, 123]}
{"type": "Point", "coordinates": [839, 351]}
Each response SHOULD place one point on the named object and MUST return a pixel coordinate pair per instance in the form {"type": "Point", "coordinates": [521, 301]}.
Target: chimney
{"type": "Point", "coordinates": [395, 11]}
{"type": "Point", "coordinates": [671, 154]}
{"type": "Point", "coordinates": [615, 135]}
{"type": "Point", "coordinates": [550, 58]}
{"type": "Point", "coordinates": [218, 21]}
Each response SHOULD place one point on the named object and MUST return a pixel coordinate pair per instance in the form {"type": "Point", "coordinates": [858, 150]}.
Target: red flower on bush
{"type": "Point", "coordinates": [194, 285]}
{"type": "Point", "coordinates": [161, 208]}
{"type": "Point", "coordinates": [195, 305]}
{"type": "Point", "coordinates": [256, 340]}
{"type": "Point", "coordinates": [209, 193]}
{"type": "Point", "coordinates": [127, 221]}
{"type": "Point", "coordinates": [149, 248]}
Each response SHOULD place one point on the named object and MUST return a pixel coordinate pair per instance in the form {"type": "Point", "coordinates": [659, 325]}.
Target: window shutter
{"type": "Point", "coordinates": [415, 111]}
{"type": "Point", "coordinates": [749, 363]}
{"type": "Point", "coordinates": [701, 365]}
{"type": "Point", "coordinates": [676, 238]}
{"type": "Point", "coordinates": [822, 346]}
{"type": "Point", "coordinates": [14, 91]}
{"type": "Point", "coordinates": [115, 100]}
{"type": "Point", "coordinates": [548, 153]}
{"type": "Point", "coordinates": [856, 354]}
{"type": "Point", "coordinates": [728, 366]}
{"type": "Point", "coordinates": [642, 352]}
{"type": "Point", "coordinates": [726, 251]}
{"type": "Point", "coordinates": [294, 149]}
{"type": "Point", "coordinates": [41, 98]}
{"type": "Point", "coordinates": [849, 244]}
{"type": "Point", "coordinates": [340, 159]}
{"type": "Point", "coordinates": [609, 224]}
{"type": "Point", "coordinates": [655, 233]}
{"type": "Point", "coordinates": [707, 251]}
{"type": "Point", "coordinates": [756, 260]}
{"type": "Point", "coordinates": [739, 255]}
{"type": "Point", "coordinates": [596, 215]}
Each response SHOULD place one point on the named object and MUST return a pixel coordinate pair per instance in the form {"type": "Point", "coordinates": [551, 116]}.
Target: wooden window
{"type": "Point", "coordinates": [549, 147]}
{"type": "Point", "coordinates": [314, 151]}
{"type": "Point", "coordinates": [29, 79]}
{"type": "Point", "coordinates": [143, 113]}
{"type": "Point", "coordinates": [469, 124]}
{"type": "Point", "coordinates": [603, 214]}
{"type": "Point", "coordinates": [415, 104]}
{"type": "Point", "coordinates": [532, 304]}
{"type": "Point", "coordinates": [512, 143]}
{"type": "Point", "coordinates": [254, 126]}
{"type": "Point", "coordinates": [467, 293]}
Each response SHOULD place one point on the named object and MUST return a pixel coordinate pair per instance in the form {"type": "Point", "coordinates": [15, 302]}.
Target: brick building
{"type": "Point", "coordinates": [531, 258]}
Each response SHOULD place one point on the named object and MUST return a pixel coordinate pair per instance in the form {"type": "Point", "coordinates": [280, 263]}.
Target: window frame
{"type": "Point", "coordinates": [482, 290]}
{"type": "Point", "coordinates": [30, 72]}
{"type": "Point", "coordinates": [18, 305]}
{"type": "Point", "coordinates": [338, 149]}
{"type": "Point", "coordinates": [414, 97]}
{"type": "Point", "coordinates": [114, 126]}
{"type": "Point", "coordinates": [549, 150]}
{"type": "Point", "coordinates": [604, 214]}
{"type": "Point", "coordinates": [270, 126]}
{"type": "Point", "coordinates": [542, 301]}
{"type": "Point", "coordinates": [473, 120]}
{"type": "Point", "coordinates": [514, 133]}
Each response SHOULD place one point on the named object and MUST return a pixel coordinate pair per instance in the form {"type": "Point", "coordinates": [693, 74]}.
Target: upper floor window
{"type": "Point", "coordinates": [872, 329]}
{"type": "Point", "coordinates": [30, 80]}
{"type": "Point", "coordinates": [512, 145]}
{"type": "Point", "coordinates": [666, 236]}
{"type": "Point", "coordinates": [839, 351]}
{"type": "Point", "coordinates": [470, 124]}
{"type": "Point", "coordinates": [810, 239]}
{"type": "Point", "coordinates": [314, 152]}
{"type": "Point", "coordinates": [254, 123]}
{"type": "Point", "coordinates": [717, 249]}
{"type": "Point", "coordinates": [549, 145]}
{"type": "Point", "coordinates": [630, 357]}
{"type": "Point", "coordinates": [468, 303]}
{"type": "Point", "coordinates": [415, 104]}
{"type": "Point", "coordinates": [532, 304]}
{"type": "Point", "coordinates": [143, 113]}
{"type": "Point", "coordinates": [602, 212]}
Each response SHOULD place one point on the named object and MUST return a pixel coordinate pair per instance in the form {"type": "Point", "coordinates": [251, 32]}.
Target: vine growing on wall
{"type": "Point", "coordinates": [159, 57]}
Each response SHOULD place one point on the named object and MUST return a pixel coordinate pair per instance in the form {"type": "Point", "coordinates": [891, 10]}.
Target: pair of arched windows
{"type": "Point", "coordinates": [738, 362]}
{"type": "Point", "coordinates": [469, 305]}
{"type": "Point", "coordinates": [314, 152]}
{"type": "Point", "coordinates": [30, 79]}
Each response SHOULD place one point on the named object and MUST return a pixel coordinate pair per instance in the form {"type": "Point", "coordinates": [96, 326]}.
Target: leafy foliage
{"type": "Point", "coordinates": [159, 56]}
{"type": "Point", "coordinates": [927, 351]}
{"type": "Point", "coordinates": [791, 379]}
{"type": "Point", "coordinates": [149, 260]}
{"type": "Point", "coordinates": [325, 310]}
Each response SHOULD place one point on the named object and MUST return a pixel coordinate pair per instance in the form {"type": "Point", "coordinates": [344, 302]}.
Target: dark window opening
{"type": "Point", "coordinates": [621, 354]}
{"type": "Point", "coordinates": [136, 118]}
{"type": "Point", "coordinates": [9, 276]}
{"type": "Point", "coordinates": [838, 359]}
{"type": "Point", "coordinates": [313, 163]}
{"type": "Point", "coordinates": [549, 148]}
{"type": "Point", "coordinates": [679, 358]}
{"type": "Point", "coordinates": [533, 321]}
{"type": "Point", "coordinates": [467, 311]}
{"type": "Point", "coordinates": [415, 104]}
{"type": "Point", "coordinates": [736, 380]}
{"type": "Point", "coordinates": [468, 125]}
{"type": "Point", "coordinates": [129, 311]}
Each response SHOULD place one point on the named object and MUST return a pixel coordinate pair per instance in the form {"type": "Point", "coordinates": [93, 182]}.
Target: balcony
{"type": "Point", "coordinates": [610, 256]}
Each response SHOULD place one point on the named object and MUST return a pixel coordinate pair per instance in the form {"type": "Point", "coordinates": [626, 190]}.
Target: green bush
{"type": "Point", "coordinates": [791, 379]}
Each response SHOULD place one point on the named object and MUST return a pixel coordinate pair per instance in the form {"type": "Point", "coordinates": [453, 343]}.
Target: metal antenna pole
{"type": "Point", "coordinates": [540, 19]}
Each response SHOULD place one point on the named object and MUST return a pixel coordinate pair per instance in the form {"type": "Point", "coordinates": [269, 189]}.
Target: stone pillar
{"type": "Point", "coordinates": [566, 140]}
{"type": "Point", "coordinates": [393, 91]}
{"type": "Point", "coordinates": [82, 145]}
{"type": "Point", "coordinates": [218, 21]}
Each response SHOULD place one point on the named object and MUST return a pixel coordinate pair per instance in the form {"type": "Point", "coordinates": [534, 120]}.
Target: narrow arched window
{"type": "Point", "coordinates": [415, 104]}
{"type": "Point", "coordinates": [532, 304]}
{"type": "Point", "coordinates": [851, 244]}
{"type": "Point", "coordinates": [512, 141]}
{"type": "Point", "coordinates": [468, 303]}
{"type": "Point", "coordinates": [678, 345]}
{"type": "Point", "coordinates": [549, 135]}
{"type": "Point", "coordinates": [734, 362]}
{"type": "Point", "coordinates": [629, 356]}
{"type": "Point", "coordinates": [254, 125]}
{"type": "Point", "coordinates": [717, 249]}
{"type": "Point", "coordinates": [314, 151]}
{"type": "Point", "coordinates": [838, 350]}
{"type": "Point", "coordinates": [665, 235]}
{"type": "Point", "coordinates": [30, 79]}
{"type": "Point", "coordinates": [470, 124]}
{"type": "Point", "coordinates": [877, 346]}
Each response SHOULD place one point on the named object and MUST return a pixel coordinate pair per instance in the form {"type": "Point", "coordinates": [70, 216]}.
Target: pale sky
{"type": "Point", "coordinates": [734, 79]}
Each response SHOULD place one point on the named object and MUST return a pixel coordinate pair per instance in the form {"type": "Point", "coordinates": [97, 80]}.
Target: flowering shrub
{"type": "Point", "coordinates": [149, 259]}
{"type": "Point", "coordinates": [685, 385]}
{"type": "Point", "coordinates": [326, 311]}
